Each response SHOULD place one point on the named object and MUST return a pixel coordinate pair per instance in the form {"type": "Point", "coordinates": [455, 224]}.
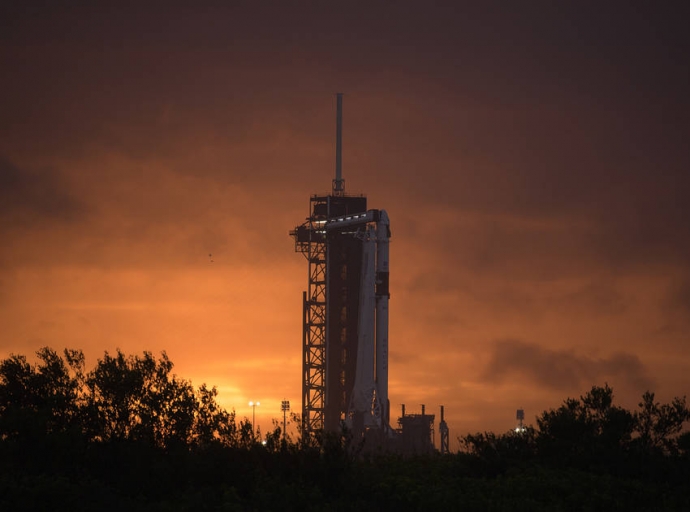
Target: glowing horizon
{"type": "Point", "coordinates": [535, 175]}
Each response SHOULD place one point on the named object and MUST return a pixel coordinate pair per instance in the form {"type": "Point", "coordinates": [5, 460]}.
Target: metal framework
{"type": "Point", "coordinates": [310, 240]}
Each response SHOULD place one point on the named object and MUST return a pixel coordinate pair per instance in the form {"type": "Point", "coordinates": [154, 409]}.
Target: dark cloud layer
{"type": "Point", "coordinates": [32, 198]}
{"type": "Point", "coordinates": [677, 299]}
{"type": "Point", "coordinates": [561, 369]}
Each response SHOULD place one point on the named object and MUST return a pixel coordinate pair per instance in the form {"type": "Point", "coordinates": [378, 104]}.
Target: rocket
{"type": "Point", "coordinates": [382, 293]}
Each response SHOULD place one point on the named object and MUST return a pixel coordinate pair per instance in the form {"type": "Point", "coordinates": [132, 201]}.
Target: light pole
{"type": "Point", "coordinates": [253, 405]}
{"type": "Point", "coordinates": [285, 407]}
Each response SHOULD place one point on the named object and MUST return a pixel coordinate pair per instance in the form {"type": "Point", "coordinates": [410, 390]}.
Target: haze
{"type": "Point", "coordinates": [532, 156]}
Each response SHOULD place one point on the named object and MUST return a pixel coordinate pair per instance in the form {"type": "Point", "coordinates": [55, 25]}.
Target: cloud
{"type": "Point", "coordinates": [29, 198]}
{"type": "Point", "coordinates": [560, 369]}
{"type": "Point", "coordinates": [676, 303]}
{"type": "Point", "coordinates": [680, 295]}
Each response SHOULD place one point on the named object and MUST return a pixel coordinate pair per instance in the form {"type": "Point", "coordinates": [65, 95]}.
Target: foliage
{"type": "Point", "coordinates": [591, 434]}
{"type": "Point", "coordinates": [130, 435]}
{"type": "Point", "coordinates": [587, 432]}
{"type": "Point", "coordinates": [659, 425]}
{"type": "Point", "coordinates": [134, 398]}
{"type": "Point", "coordinates": [497, 453]}
{"type": "Point", "coordinates": [41, 399]}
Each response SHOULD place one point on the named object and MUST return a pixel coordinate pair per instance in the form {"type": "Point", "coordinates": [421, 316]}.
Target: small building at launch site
{"type": "Point", "coordinates": [345, 321]}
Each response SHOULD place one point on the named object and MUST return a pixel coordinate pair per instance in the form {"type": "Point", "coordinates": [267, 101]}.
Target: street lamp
{"type": "Point", "coordinates": [285, 407]}
{"type": "Point", "coordinates": [253, 405]}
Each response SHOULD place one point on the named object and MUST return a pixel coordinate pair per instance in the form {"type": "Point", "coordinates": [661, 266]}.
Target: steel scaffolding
{"type": "Point", "coordinates": [310, 240]}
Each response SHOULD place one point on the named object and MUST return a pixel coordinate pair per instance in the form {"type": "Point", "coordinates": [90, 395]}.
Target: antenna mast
{"type": "Point", "coordinates": [339, 182]}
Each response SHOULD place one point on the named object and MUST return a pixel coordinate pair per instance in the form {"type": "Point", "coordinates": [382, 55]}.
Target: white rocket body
{"type": "Point", "coordinates": [382, 296]}
{"type": "Point", "coordinates": [369, 407]}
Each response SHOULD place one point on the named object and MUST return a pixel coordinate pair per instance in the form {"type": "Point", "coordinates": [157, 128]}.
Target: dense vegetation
{"type": "Point", "coordinates": [130, 435]}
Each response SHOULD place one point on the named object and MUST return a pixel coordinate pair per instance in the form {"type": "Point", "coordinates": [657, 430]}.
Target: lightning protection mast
{"type": "Point", "coordinates": [443, 429]}
{"type": "Point", "coordinates": [345, 311]}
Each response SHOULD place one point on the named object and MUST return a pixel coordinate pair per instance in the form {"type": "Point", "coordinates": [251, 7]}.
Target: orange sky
{"type": "Point", "coordinates": [533, 161]}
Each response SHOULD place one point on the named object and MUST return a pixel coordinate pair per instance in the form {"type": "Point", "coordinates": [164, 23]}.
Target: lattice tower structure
{"type": "Point", "coordinates": [310, 240]}
{"type": "Point", "coordinates": [330, 312]}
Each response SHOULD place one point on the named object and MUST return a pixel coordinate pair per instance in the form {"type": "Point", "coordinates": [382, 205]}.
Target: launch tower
{"type": "Point", "coordinates": [345, 310]}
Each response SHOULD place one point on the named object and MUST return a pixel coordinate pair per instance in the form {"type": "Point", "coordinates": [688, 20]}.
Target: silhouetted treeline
{"type": "Point", "coordinates": [130, 435]}
{"type": "Point", "coordinates": [594, 435]}
{"type": "Point", "coordinates": [124, 398]}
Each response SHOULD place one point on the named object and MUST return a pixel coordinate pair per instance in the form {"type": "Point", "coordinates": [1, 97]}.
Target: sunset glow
{"type": "Point", "coordinates": [534, 166]}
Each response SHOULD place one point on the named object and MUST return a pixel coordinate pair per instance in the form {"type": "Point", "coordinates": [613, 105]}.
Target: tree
{"type": "Point", "coordinates": [587, 431]}
{"type": "Point", "coordinates": [659, 425]}
{"type": "Point", "coordinates": [39, 399]}
{"type": "Point", "coordinates": [213, 424]}
{"type": "Point", "coordinates": [498, 452]}
{"type": "Point", "coordinates": [136, 398]}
